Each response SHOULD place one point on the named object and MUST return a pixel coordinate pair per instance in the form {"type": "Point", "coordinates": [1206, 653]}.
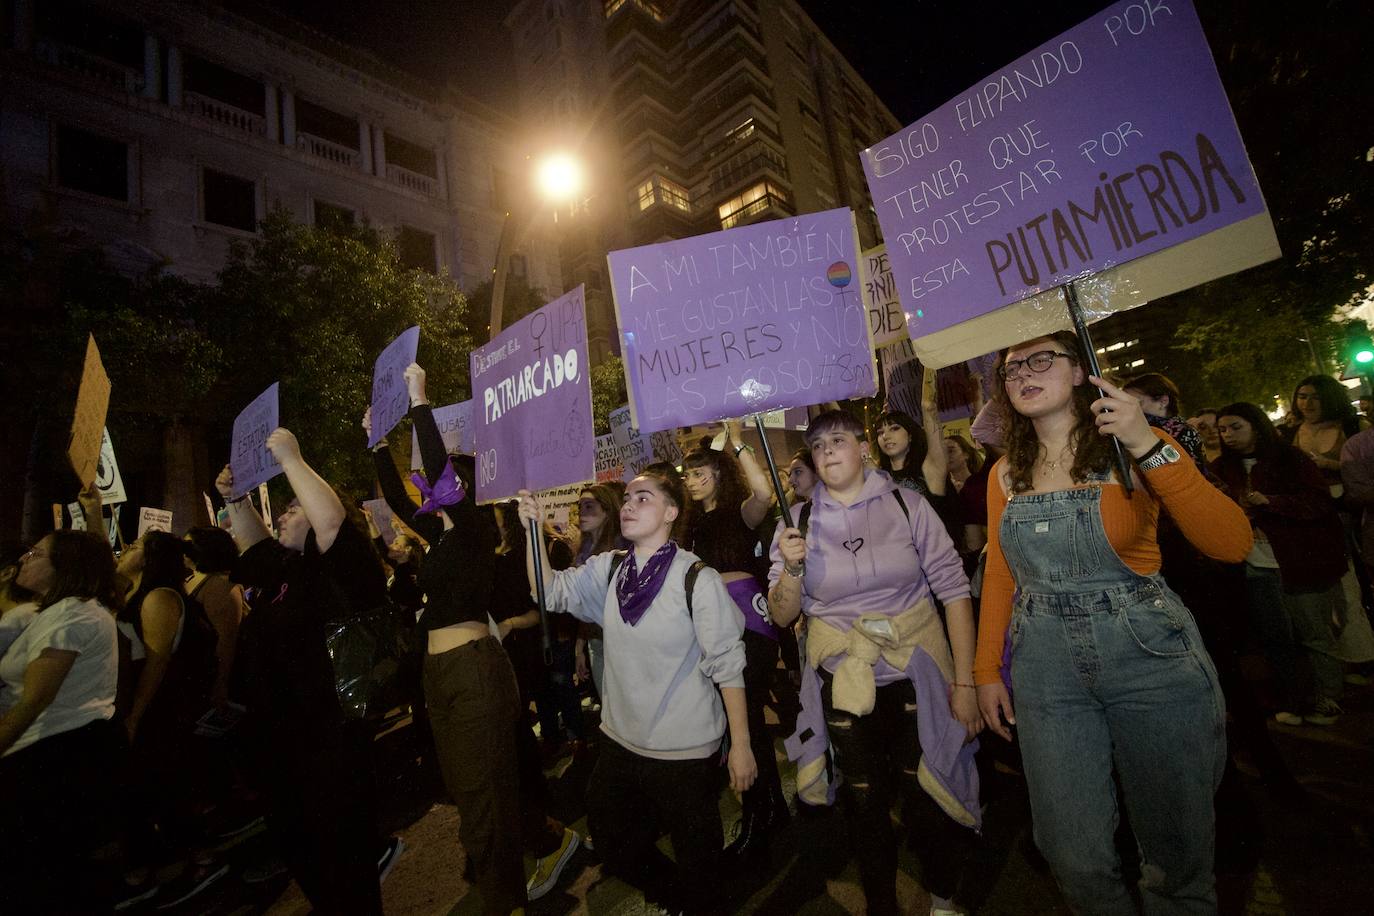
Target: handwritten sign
{"type": "Point", "coordinates": [559, 504]}
{"type": "Point", "coordinates": [455, 427]}
{"type": "Point", "coordinates": [88, 420]}
{"type": "Point", "coordinates": [886, 322]}
{"type": "Point", "coordinates": [741, 321]}
{"type": "Point", "coordinates": [384, 519]}
{"type": "Point", "coordinates": [903, 377]}
{"type": "Point", "coordinates": [390, 398]}
{"type": "Point", "coordinates": [532, 410]}
{"type": "Point", "coordinates": [107, 478]}
{"type": "Point", "coordinates": [1106, 145]}
{"type": "Point", "coordinates": [150, 519]}
{"type": "Point", "coordinates": [249, 459]}
{"type": "Point", "coordinates": [608, 464]}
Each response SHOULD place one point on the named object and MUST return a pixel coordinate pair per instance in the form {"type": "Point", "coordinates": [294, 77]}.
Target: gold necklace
{"type": "Point", "coordinates": [1052, 466]}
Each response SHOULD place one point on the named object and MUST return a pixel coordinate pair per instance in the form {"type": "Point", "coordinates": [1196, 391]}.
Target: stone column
{"type": "Point", "coordinates": [269, 111]}
{"type": "Point", "coordinates": [365, 145]}
{"type": "Point", "coordinates": [288, 118]}
{"type": "Point", "coordinates": [379, 145]}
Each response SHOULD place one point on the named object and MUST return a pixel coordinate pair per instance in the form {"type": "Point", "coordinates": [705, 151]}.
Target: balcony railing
{"type": "Point", "coordinates": [765, 202]}
{"type": "Point", "coordinates": [328, 150]}
{"type": "Point", "coordinates": [413, 180]}
{"type": "Point", "coordinates": [223, 113]}
{"type": "Point", "coordinates": [97, 69]}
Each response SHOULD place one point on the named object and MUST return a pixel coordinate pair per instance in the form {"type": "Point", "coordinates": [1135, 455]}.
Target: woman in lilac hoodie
{"type": "Point", "coordinates": [865, 564]}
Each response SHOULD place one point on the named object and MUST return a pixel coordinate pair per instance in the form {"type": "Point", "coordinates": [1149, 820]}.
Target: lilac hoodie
{"type": "Point", "coordinates": [870, 558]}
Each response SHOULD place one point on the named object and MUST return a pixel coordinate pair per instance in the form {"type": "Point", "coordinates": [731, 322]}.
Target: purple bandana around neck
{"type": "Point", "coordinates": [448, 490]}
{"type": "Point", "coordinates": [637, 591]}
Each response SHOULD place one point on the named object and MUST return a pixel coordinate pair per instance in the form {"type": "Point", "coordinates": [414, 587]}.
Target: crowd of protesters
{"type": "Point", "coordinates": [918, 603]}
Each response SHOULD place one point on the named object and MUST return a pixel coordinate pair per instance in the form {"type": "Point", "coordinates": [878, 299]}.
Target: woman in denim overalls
{"type": "Point", "coordinates": [1107, 667]}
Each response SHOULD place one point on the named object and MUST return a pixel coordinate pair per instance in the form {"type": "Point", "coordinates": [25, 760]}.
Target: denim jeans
{"type": "Point", "coordinates": [1109, 673]}
{"type": "Point", "coordinates": [1291, 624]}
{"type": "Point", "coordinates": [1311, 611]}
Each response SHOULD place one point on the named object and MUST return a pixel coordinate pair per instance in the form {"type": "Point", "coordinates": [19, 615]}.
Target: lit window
{"type": "Point", "coordinates": [1119, 345]}
{"type": "Point", "coordinates": [661, 190]}
{"type": "Point", "coordinates": [646, 195]}
{"type": "Point", "coordinates": [750, 203]}
{"type": "Point", "coordinates": [1137, 363]}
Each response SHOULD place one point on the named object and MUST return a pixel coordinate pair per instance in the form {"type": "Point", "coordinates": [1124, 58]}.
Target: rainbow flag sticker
{"type": "Point", "coordinates": [839, 274]}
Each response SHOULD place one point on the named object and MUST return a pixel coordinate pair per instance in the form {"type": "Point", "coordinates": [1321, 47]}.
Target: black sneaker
{"type": "Point", "coordinates": [193, 880]}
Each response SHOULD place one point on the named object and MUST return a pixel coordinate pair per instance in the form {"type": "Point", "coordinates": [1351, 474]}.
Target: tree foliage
{"type": "Point", "coordinates": [608, 392]}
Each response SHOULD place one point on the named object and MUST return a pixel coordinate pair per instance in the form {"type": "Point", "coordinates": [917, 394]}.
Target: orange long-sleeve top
{"type": "Point", "coordinates": [1207, 517]}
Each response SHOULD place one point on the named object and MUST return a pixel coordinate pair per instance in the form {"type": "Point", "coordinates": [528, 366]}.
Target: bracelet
{"type": "Point", "coordinates": [795, 575]}
{"type": "Point", "coordinates": [1158, 447]}
{"type": "Point", "coordinates": [741, 447]}
{"type": "Point", "coordinates": [236, 499]}
{"type": "Point", "coordinates": [958, 684]}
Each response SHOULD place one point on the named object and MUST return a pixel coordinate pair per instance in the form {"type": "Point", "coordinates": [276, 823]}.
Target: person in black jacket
{"type": "Point", "coordinates": [315, 767]}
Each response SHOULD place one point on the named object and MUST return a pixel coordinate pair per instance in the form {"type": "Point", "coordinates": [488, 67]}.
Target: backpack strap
{"type": "Point", "coordinates": [617, 557]}
{"type": "Point", "coordinates": [690, 582]}
{"type": "Point", "coordinates": [900, 501]}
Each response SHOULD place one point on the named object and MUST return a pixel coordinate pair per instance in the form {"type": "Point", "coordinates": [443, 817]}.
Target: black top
{"type": "Point", "coordinates": [288, 678]}
{"type": "Point", "coordinates": [726, 544]}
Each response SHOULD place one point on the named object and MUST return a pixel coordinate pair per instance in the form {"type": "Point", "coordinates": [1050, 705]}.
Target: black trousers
{"type": "Point", "coordinates": [629, 798]}
{"type": "Point", "coordinates": [491, 769]}
{"type": "Point", "coordinates": [321, 811]}
{"type": "Point", "coordinates": [56, 805]}
{"type": "Point", "coordinates": [761, 661]}
{"type": "Point", "coordinates": [869, 750]}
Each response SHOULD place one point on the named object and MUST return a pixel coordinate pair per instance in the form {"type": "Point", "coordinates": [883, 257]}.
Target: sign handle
{"type": "Point", "coordinates": [535, 536]}
{"type": "Point", "coordinates": [773, 472]}
{"type": "Point", "coordinates": [1081, 327]}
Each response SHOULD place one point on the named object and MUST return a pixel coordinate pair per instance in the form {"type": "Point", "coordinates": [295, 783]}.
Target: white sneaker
{"type": "Point", "coordinates": [1287, 718]}
{"type": "Point", "coordinates": [547, 869]}
{"type": "Point", "coordinates": [388, 858]}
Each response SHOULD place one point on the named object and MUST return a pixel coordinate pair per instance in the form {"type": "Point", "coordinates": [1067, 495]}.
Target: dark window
{"type": "Point", "coordinates": [325, 124]}
{"type": "Point", "coordinates": [329, 216]}
{"type": "Point", "coordinates": [501, 189]}
{"type": "Point", "coordinates": [231, 201]}
{"type": "Point", "coordinates": [92, 163]}
{"type": "Point", "coordinates": [76, 24]}
{"type": "Point", "coordinates": [416, 249]}
{"type": "Point", "coordinates": [519, 267]}
{"type": "Point", "coordinates": [410, 156]}
{"type": "Point", "coordinates": [209, 79]}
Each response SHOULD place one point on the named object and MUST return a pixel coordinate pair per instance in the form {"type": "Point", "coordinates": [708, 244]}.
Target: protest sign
{"type": "Point", "coordinates": [903, 377]}
{"type": "Point", "coordinates": [532, 410]}
{"type": "Point", "coordinates": [210, 509]}
{"type": "Point", "coordinates": [886, 322]}
{"type": "Point", "coordinates": [746, 320]}
{"type": "Point", "coordinates": [57, 517]}
{"type": "Point", "coordinates": [78, 516]}
{"type": "Point", "coordinates": [88, 420]}
{"type": "Point", "coordinates": [663, 445]}
{"type": "Point", "coordinates": [608, 464]}
{"type": "Point", "coordinates": [107, 478]}
{"type": "Point", "coordinates": [559, 504]}
{"type": "Point", "coordinates": [383, 518]}
{"type": "Point", "coordinates": [455, 427]}
{"type": "Point", "coordinates": [1109, 151]}
{"type": "Point", "coordinates": [390, 397]}
{"type": "Point", "coordinates": [150, 519]}
{"type": "Point", "coordinates": [265, 507]}
{"type": "Point", "coordinates": [249, 459]}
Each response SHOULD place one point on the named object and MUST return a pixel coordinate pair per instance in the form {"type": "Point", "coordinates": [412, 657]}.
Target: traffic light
{"type": "Point", "coordinates": [1361, 350]}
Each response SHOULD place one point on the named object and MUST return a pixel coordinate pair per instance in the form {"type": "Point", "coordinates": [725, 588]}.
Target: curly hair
{"type": "Point", "coordinates": [1092, 453]}
{"type": "Point", "coordinates": [1334, 398]}
{"type": "Point", "coordinates": [731, 487]}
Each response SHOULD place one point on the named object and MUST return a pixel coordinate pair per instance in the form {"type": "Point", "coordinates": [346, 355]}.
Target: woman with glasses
{"type": "Point", "coordinates": [1107, 667]}
{"type": "Point", "coordinates": [59, 745]}
{"type": "Point", "coordinates": [888, 684]}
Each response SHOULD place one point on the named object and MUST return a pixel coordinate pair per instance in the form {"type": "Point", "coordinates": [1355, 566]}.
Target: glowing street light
{"type": "Point", "coordinates": [559, 177]}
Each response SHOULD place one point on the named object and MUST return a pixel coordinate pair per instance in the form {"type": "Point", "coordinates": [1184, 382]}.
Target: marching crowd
{"type": "Point", "coordinates": [1067, 592]}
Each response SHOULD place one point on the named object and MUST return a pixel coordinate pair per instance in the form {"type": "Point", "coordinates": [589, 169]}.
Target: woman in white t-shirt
{"type": "Point", "coordinates": [58, 745]}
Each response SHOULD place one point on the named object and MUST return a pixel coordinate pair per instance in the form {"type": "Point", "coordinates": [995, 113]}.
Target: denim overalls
{"type": "Point", "coordinates": [1108, 672]}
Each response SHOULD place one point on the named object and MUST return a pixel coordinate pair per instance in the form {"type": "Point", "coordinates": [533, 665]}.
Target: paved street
{"type": "Point", "coordinates": [1315, 852]}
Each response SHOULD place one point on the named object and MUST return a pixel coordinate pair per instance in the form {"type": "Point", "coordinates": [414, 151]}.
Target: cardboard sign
{"type": "Point", "coordinates": [210, 509]}
{"type": "Point", "coordinates": [559, 504]}
{"type": "Point", "coordinates": [383, 518]}
{"type": "Point", "coordinates": [390, 397]}
{"type": "Point", "coordinates": [886, 322]}
{"type": "Point", "coordinates": [249, 459]}
{"type": "Point", "coordinates": [107, 478]}
{"type": "Point", "coordinates": [150, 519]}
{"type": "Point", "coordinates": [532, 411]}
{"type": "Point", "coordinates": [88, 420]}
{"type": "Point", "coordinates": [743, 321]}
{"type": "Point", "coordinates": [455, 427]}
{"type": "Point", "coordinates": [1108, 151]}
{"type": "Point", "coordinates": [78, 516]}
{"type": "Point", "coordinates": [608, 464]}
{"type": "Point", "coordinates": [265, 507]}
{"type": "Point", "coordinates": [903, 378]}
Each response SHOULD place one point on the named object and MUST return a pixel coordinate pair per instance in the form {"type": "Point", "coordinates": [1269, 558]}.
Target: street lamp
{"type": "Point", "coordinates": [558, 178]}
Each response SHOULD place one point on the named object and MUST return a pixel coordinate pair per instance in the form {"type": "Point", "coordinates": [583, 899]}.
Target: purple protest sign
{"type": "Point", "coordinates": [249, 459]}
{"type": "Point", "coordinates": [390, 400]}
{"type": "Point", "coordinates": [743, 321]}
{"type": "Point", "coordinates": [532, 403]}
{"type": "Point", "coordinates": [1110, 143]}
{"type": "Point", "coordinates": [455, 427]}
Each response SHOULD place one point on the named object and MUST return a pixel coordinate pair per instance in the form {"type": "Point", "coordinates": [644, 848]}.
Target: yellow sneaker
{"type": "Point", "coordinates": [547, 869]}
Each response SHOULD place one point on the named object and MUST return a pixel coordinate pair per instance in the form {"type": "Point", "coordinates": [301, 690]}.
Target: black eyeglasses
{"type": "Point", "coordinates": [1036, 362]}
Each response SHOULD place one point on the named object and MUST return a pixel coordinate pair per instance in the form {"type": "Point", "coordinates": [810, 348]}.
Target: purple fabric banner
{"type": "Point", "coordinates": [743, 321]}
{"type": "Point", "coordinates": [532, 403]}
{"type": "Point", "coordinates": [249, 458]}
{"type": "Point", "coordinates": [455, 427]}
{"type": "Point", "coordinates": [1111, 142]}
{"type": "Point", "coordinates": [390, 400]}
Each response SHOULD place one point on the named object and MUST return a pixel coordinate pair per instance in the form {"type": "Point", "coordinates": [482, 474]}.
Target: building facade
{"type": "Point", "coordinates": [161, 131]}
{"type": "Point", "coordinates": [693, 116]}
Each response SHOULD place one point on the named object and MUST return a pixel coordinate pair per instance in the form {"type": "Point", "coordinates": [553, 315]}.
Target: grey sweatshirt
{"type": "Point", "coordinates": [660, 699]}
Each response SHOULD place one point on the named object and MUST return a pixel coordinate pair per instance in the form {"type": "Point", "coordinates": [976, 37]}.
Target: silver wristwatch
{"type": "Point", "coordinates": [1162, 456]}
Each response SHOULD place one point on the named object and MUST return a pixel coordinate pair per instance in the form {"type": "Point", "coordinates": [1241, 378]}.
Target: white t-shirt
{"type": "Point", "coordinates": [88, 691]}
{"type": "Point", "coordinates": [13, 622]}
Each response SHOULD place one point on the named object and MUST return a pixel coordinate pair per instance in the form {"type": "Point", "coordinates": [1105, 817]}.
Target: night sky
{"type": "Point", "coordinates": [916, 55]}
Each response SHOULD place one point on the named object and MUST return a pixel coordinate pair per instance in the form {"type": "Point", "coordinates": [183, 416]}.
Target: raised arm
{"type": "Point", "coordinates": [935, 469]}
{"type": "Point", "coordinates": [246, 526]}
{"type": "Point", "coordinates": [394, 490]}
{"type": "Point", "coordinates": [755, 508]}
{"type": "Point", "coordinates": [319, 502]}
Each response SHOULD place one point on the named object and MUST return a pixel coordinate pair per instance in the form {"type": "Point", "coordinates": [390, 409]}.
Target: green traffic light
{"type": "Point", "coordinates": [1364, 356]}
